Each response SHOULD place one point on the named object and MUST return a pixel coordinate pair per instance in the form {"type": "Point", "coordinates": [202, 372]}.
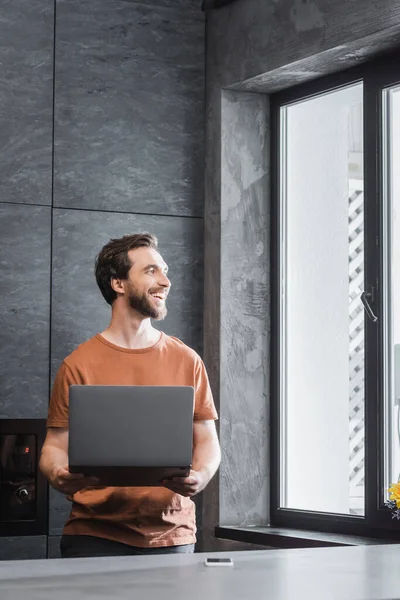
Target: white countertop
{"type": "Point", "coordinates": [351, 573]}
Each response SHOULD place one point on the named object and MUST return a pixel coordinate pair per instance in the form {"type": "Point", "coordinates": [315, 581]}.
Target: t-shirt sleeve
{"type": "Point", "coordinates": [59, 399]}
{"type": "Point", "coordinates": [204, 407]}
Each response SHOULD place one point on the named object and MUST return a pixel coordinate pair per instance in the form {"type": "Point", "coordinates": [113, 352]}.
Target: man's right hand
{"type": "Point", "coordinates": [70, 483]}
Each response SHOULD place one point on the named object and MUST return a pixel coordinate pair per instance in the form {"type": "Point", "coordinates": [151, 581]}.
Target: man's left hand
{"type": "Point", "coordinates": [187, 486]}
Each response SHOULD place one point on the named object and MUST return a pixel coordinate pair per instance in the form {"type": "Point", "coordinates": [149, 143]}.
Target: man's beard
{"type": "Point", "coordinates": [142, 304]}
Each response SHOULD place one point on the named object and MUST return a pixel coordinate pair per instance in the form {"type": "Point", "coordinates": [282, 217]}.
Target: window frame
{"type": "Point", "coordinates": [376, 75]}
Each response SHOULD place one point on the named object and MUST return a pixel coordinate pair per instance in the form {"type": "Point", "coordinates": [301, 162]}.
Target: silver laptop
{"type": "Point", "coordinates": [131, 435]}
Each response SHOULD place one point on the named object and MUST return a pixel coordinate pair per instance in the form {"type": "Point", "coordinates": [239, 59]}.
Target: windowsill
{"type": "Point", "coordinates": [279, 537]}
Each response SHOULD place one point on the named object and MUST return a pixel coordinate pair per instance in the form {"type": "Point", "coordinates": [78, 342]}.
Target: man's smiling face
{"type": "Point", "coordinates": [147, 286]}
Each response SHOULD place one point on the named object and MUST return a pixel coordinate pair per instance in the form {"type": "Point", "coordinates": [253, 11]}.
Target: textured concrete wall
{"type": "Point", "coordinates": [254, 38]}
{"type": "Point", "coordinates": [244, 307]}
{"type": "Point", "coordinates": [127, 155]}
{"type": "Point", "coordinates": [260, 47]}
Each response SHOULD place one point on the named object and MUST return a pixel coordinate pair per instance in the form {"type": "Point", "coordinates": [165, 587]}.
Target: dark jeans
{"type": "Point", "coordinates": [84, 546]}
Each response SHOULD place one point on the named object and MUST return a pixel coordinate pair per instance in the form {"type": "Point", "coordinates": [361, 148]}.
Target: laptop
{"type": "Point", "coordinates": [131, 435]}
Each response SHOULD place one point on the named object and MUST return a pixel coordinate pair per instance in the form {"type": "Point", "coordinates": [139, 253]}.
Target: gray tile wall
{"type": "Point", "coordinates": [25, 233]}
{"type": "Point", "coordinates": [26, 83]}
{"type": "Point", "coordinates": [192, 6]}
{"type": "Point", "coordinates": [129, 108]}
{"type": "Point", "coordinates": [128, 155]}
{"type": "Point", "coordinates": [59, 509]}
{"type": "Point", "coordinates": [264, 37]}
{"type": "Point", "coordinates": [53, 546]}
{"type": "Point", "coordinates": [23, 547]}
{"type": "Point", "coordinates": [261, 47]}
{"type": "Point", "coordinates": [245, 308]}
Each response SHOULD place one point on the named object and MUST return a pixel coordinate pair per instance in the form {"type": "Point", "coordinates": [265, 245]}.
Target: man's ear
{"type": "Point", "coordinates": [117, 285]}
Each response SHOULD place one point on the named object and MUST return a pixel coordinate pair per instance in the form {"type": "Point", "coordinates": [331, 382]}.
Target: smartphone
{"type": "Point", "coordinates": [218, 562]}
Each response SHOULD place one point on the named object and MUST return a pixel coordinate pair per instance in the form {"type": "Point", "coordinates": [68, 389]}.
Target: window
{"type": "Point", "coordinates": [336, 285]}
{"type": "Point", "coordinates": [322, 318]}
{"type": "Point", "coordinates": [391, 230]}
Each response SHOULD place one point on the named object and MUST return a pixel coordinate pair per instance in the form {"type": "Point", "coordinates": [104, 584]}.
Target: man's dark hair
{"type": "Point", "coordinates": [113, 260]}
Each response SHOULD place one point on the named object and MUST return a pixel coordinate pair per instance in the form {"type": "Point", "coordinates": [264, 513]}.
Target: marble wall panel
{"type": "Point", "coordinates": [23, 547]}
{"type": "Point", "coordinates": [25, 233]}
{"type": "Point", "coordinates": [26, 101]}
{"type": "Point", "coordinates": [245, 306]}
{"type": "Point", "coordinates": [193, 6]}
{"type": "Point", "coordinates": [53, 546]}
{"type": "Point", "coordinates": [59, 509]}
{"type": "Point", "coordinates": [212, 288]}
{"type": "Point", "coordinates": [251, 37]}
{"type": "Point", "coordinates": [129, 108]}
{"type": "Point", "coordinates": [152, 33]}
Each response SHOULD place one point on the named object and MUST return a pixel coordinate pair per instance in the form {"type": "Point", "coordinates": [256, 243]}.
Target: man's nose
{"type": "Point", "coordinates": [164, 281]}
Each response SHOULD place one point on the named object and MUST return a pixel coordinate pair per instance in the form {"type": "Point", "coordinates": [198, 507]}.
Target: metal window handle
{"type": "Point", "coordinates": [365, 298]}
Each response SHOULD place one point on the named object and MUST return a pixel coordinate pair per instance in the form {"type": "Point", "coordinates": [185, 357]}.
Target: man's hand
{"type": "Point", "coordinates": [187, 486]}
{"type": "Point", "coordinates": [206, 457]}
{"type": "Point", "coordinates": [70, 483]}
{"type": "Point", "coordinates": [55, 453]}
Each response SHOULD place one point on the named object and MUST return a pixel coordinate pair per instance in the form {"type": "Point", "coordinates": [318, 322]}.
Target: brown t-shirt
{"type": "Point", "coordinates": [138, 516]}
